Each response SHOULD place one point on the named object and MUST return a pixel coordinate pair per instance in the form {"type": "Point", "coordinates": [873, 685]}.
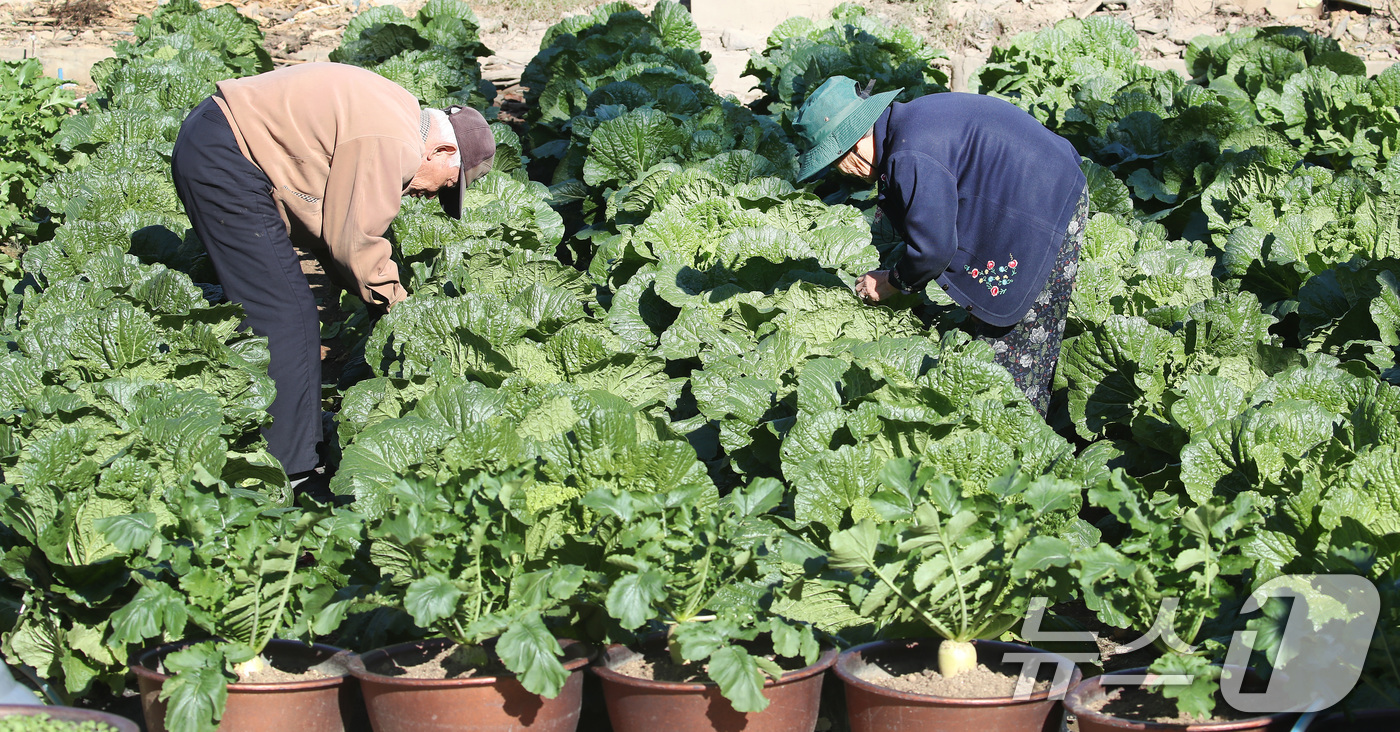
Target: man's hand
{"type": "Point", "coordinates": [875, 286]}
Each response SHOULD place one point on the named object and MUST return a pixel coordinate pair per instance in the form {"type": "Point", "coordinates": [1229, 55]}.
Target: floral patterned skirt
{"type": "Point", "coordinates": [1030, 349]}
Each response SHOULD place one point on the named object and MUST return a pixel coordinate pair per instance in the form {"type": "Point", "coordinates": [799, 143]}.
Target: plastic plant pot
{"type": "Point", "coordinates": [329, 704]}
{"type": "Point", "coordinates": [474, 704]}
{"type": "Point", "coordinates": [644, 705]}
{"type": "Point", "coordinates": [1091, 691]}
{"type": "Point", "coordinates": [875, 708]}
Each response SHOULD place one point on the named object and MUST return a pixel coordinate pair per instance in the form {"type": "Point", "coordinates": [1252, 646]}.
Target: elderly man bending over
{"type": "Point", "coordinates": [319, 154]}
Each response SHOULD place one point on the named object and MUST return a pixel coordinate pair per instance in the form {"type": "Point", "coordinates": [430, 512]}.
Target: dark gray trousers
{"type": "Point", "coordinates": [229, 203]}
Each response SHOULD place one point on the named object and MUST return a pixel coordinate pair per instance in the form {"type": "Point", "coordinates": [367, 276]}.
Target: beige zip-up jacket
{"type": "Point", "coordinates": [340, 145]}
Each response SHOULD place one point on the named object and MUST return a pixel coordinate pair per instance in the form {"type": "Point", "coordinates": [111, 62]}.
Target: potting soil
{"type": "Point", "coordinates": [979, 683]}
{"type": "Point", "coordinates": [444, 666]}
{"type": "Point", "coordinates": [272, 675]}
{"type": "Point", "coordinates": [659, 667]}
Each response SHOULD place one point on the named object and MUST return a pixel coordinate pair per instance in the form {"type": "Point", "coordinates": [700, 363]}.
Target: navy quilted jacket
{"type": "Point", "coordinates": [982, 194]}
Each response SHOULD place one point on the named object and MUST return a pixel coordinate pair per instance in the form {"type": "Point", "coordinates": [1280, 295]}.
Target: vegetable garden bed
{"type": "Point", "coordinates": [633, 392]}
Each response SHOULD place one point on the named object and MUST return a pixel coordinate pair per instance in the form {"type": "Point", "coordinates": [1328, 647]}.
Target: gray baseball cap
{"type": "Point", "coordinates": [478, 149]}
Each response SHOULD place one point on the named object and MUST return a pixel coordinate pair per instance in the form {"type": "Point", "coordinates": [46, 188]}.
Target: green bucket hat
{"type": "Point", "coordinates": [832, 121]}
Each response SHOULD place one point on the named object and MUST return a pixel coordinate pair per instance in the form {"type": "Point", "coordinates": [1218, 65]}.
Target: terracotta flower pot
{"type": "Point", "coordinates": [1371, 720]}
{"type": "Point", "coordinates": [1091, 691]}
{"type": "Point", "coordinates": [70, 714]}
{"type": "Point", "coordinates": [476, 704]}
{"type": "Point", "coordinates": [875, 708]}
{"type": "Point", "coordinates": [643, 705]}
{"type": "Point", "coordinates": [316, 705]}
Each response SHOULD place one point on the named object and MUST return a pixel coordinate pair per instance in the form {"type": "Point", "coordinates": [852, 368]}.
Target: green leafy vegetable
{"type": "Point", "coordinates": [1171, 574]}
{"type": "Point", "coordinates": [33, 108]}
{"type": "Point", "coordinates": [455, 556]}
{"type": "Point", "coordinates": [671, 560]}
{"type": "Point", "coordinates": [44, 723]}
{"type": "Point", "coordinates": [961, 567]}
{"type": "Point", "coordinates": [433, 54]}
{"type": "Point", "coordinates": [802, 53]}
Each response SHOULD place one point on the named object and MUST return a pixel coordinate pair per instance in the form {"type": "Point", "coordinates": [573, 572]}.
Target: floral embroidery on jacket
{"type": "Point", "coordinates": [1041, 332]}
{"type": "Point", "coordinates": [996, 278]}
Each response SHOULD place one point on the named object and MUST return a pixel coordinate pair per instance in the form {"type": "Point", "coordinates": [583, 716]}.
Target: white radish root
{"type": "Point", "coordinates": [468, 656]}
{"type": "Point", "coordinates": [955, 657]}
{"type": "Point", "coordinates": [248, 669]}
{"type": "Point", "coordinates": [673, 646]}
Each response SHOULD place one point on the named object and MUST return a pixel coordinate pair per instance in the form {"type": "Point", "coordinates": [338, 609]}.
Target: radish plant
{"type": "Point", "coordinates": [1171, 575]}
{"type": "Point", "coordinates": [961, 567]}
{"type": "Point", "coordinates": [225, 565]}
{"type": "Point", "coordinates": [453, 555]}
{"type": "Point", "coordinates": [671, 563]}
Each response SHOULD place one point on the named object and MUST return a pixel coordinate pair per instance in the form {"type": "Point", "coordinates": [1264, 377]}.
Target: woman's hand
{"type": "Point", "coordinates": [875, 286]}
